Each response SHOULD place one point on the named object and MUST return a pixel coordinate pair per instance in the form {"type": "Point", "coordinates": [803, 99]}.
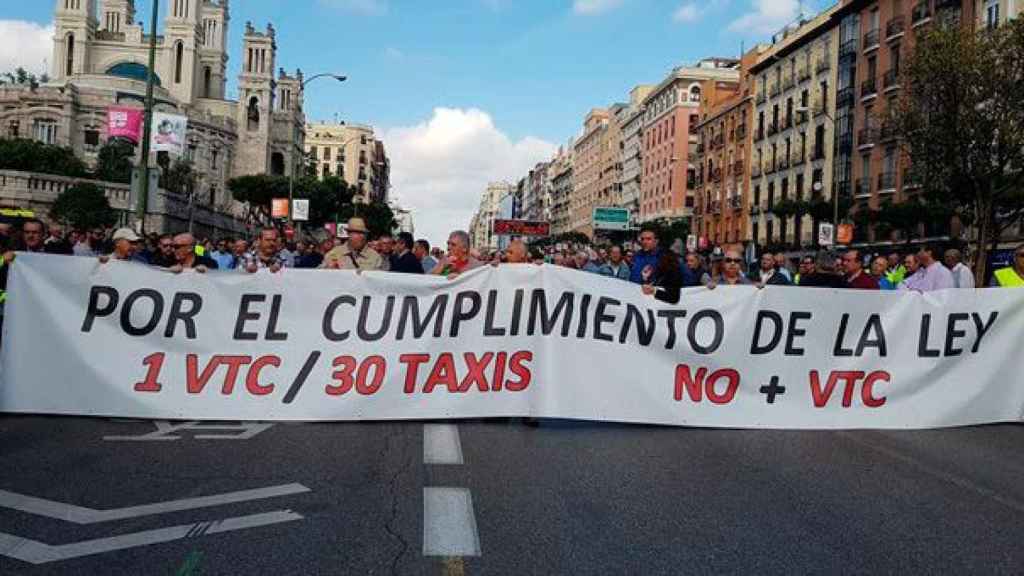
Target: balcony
{"type": "Point", "coordinates": [736, 202]}
{"type": "Point", "coordinates": [797, 158]}
{"type": "Point", "coordinates": [842, 189]}
{"type": "Point", "coordinates": [783, 162]}
{"type": "Point", "coordinates": [867, 138]}
{"type": "Point", "coordinates": [871, 40]}
{"type": "Point", "coordinates": [718, 141]}
{"type": "Point", "coordinates": [868, 89]}
{"type": "Point", "coordinates": [819, 108]}
{"type": "Point", "coordinates": [773, 91]}
{"type": "Point", "coordinates": [921, 14]}
{"type": "Point", "coordinates": [848, 49]}
{"type": "Point", "coordinates": [888, 132]}
{"type": "Point", "coordinates": [845, 143]}
{"type": "Point", "coordinates": [788, 82]}
{"type": "Point", "coordinates": [822, 65]}
{"type": "Point", "coordinates": [862, 188]}
{"type": "Point", "coordinates": [741, 131]}
{"type": "Point", "coordinates": [761, 98]}
{"type": "Point", "coordinates": [894, 28]}
{"type": "Point", "coordinates": [891, 81]}
{"type": "Point", "coordinates": [772, 129]}
{"type": "Point", "coordinates": [801, 117]}
{"type": "Point", "coordinates": [803, 74]}
{"type": "Point", "coordinates": [887, 182]}
{"type": "Point", "coordinates": [845, 97]}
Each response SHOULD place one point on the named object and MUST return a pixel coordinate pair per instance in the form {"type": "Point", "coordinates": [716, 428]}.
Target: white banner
{"type": "Point", "coordinates": [169, 133]}
{"type": "Point", "coordinates": [129, 341]}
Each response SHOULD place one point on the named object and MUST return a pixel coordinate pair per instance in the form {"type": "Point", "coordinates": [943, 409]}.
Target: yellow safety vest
{"type": "Point", "coordinates": [1008, 278]}
{"type": "Point", "coordinates": [200, 250]}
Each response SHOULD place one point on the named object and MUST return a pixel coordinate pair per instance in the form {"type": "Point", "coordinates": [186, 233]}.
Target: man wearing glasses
{"type": "Point", "coordinates": [856, 278]}
{"type": "Point", "coordinates": [1011, 276]}
{"type": "Point", "coordinates": [186, 257]}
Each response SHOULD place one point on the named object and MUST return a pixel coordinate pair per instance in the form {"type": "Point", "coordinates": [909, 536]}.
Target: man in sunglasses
{"type": "Point", "coordinates": [1011, 276]}
{"type": "Point", "coordinates": [186, 257]}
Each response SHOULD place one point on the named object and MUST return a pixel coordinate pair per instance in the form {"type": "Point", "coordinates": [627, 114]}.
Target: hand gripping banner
{"type": "Point", "coordinates": [123, 340]}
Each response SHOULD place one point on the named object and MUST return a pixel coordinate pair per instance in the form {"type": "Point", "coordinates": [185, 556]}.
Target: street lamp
{"type": "Point", "coordinates": [291, 173]}
{"type": "Point", "coordinates": [835, 193]}
{"type": "Point", "coordinates": [148, 124]}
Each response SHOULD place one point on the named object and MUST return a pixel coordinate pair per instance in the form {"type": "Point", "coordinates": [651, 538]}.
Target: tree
{"type": "Point", "coordinates": [378, 216]}
{"type": "Point", "coordinates": [179, 179]}
{"type": "Point", "coordinates": [962, 126]}
{"type": "Point", "coordinates": [32, 156]}
{"type": "Point", "coordinates": [83, 206]}
{"type": "Point", "coordinates": [115, 161]}
{"type": "Point", "coordinates": [327, 198]}
{"type": "Point", "coordinates": [21, 77]}
{"type": "Point", "coordinates": [669, 229]}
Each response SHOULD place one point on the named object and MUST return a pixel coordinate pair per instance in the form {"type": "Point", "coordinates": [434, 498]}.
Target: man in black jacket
{"type": "Point", "coordinates": [403, 260]}
{"type": "Point", "coordinates": [769, 275]}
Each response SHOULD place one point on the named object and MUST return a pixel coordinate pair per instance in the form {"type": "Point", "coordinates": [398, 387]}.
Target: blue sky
{"type": "Point", "coordinates": [524, 71]}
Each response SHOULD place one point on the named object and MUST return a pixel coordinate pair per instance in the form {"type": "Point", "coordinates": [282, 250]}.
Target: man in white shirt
{"type": "Point", "coordinates": [962, 275]}
{"type": "Point", "coordinates": [931, 276]}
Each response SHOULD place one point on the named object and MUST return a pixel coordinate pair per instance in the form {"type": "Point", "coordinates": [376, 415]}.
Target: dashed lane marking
{"type": "Point", "coordinates": [441, 444]}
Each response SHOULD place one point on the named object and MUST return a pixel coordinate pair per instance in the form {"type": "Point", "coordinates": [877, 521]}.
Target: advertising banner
{"type": "Point", "coordinates": [521, 228]}
{"type": "Point", "coordinates": [124, 122]}
{"type": "Point", "coordinates": [169, 133]}
{"type": "Point", "coordinates": [124, 340]}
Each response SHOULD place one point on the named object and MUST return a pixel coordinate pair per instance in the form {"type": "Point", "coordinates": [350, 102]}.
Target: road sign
{"type": "Point", "coordinates": [611, 219]}
{"type": "Point", "coordinates": [300, 209]}
{"type": "Point", "coordinates": [825, 232]}
{"type": "Point", "coordinates": [279, 208]}
{"type": "Point", "coordinates": [521, 228]}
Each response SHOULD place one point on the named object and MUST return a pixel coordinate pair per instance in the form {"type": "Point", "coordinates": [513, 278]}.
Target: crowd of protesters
{"type": "Point", "coordinates": [660, 272]}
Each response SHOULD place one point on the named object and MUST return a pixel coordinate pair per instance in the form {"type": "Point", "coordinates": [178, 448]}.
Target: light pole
{"type": "Point", "coordinates": [291, 173]}
{"type": "Point", "coordinates": [148, 124]}
{"type": "Point", "coordinates": [835, 192]}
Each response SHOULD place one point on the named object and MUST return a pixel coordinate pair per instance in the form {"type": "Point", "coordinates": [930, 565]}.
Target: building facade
{"type": "Point", "coordinates": [793, 152]}
{"type": "Point", "coordinates": [630, 118]}
{"type": "Point", "coordinates": [672, 107]}
{"type": "Point", "coordinates": [481, 226]}
{"type": "Point", "coordinates": [97, 64]}
{"type": "Point", "coordinates": [561, 175]}
{"type": "Point", "coordinates": [353, 153]}
{"type": "Point", "coordinates": [588, 152]}
{"type": "Point", "coordinates": [722, 210]}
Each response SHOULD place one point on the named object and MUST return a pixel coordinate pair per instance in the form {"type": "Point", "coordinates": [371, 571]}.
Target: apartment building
{"type": "Point", "coordinates": [350, 152]}
{"type": "Point", "coordinates": [588, 168]}
{"type": "Point", "coordinates": [793, 152]}
{"type": "Point", "coordinates": [561, 175]}
{"type": "Point", "coordinates": [630, 119]}
{"type": "Point", "coordinates": [670, 115]}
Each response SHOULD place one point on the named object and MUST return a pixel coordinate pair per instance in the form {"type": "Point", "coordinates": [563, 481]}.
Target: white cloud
{"type": "Point", "coordinates": [686, 13]}
{"type": "Point", "coordinates": [591, 7]}
{"type": "Point", "coordinates": [364, 7]}
{"type": "Point", "coordinates": [767, 16]}
{"type": "Point", "coordinates": [25, 44]}
{"type": "Point", "coordinates": [440, 167]}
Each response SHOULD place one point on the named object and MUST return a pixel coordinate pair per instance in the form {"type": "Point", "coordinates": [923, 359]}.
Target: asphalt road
{"type": "Point", "coordinates": [499, 497]}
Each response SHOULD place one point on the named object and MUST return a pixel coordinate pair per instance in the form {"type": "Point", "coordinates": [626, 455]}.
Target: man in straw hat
{"type": "Point", "coordinates": [354, 254]}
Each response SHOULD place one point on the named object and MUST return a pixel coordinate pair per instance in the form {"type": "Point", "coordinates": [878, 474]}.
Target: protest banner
{"type": "Point", "coordinates": [124, 340]}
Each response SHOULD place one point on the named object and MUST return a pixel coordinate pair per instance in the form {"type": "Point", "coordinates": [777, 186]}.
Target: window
{"type": "Point", "coordinates": [69, 66]}
{"type": "Point", "coordinates": [13, 129]}
{"type": "Point", "coordinates": [253, 114]}
{"type": "Point", "coordinates": [819, 142]}
{"type": "Point", "coordinates": [179, 56]}
{"type": "Point", "coordinates": [757, 197]}
{"type": "Point", "coordinates": [91, 139]}
{"type": "Point", "coordinates": [992, 14]}
{"type": "Point", "coordinates": [45, 131]}
{"type": "Point", "coordinates": [894, 59]}
{"type": "Point", "coordinates": [327, 153]}
{"type": "Point", "coordinates": [213, 194]}
{"type": "Point", "coordinates": [207, 78]}
{"type": "Point", "coordinates": [213, 158]}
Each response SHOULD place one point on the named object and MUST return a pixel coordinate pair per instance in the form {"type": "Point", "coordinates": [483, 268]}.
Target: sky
{"type": "Point", "coordinates": [464, 92]}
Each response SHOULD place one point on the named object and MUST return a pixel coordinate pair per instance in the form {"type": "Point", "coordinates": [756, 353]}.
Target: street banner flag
{"type": "Point", "coordinates": [124, 122]}
{"type": "Point", "coordinates": [300, 207]}
{"type": "Point", "coordinates": [125, 340]}
{"type": "Point", "coordinates": [169, 133]}
{"type": "Point", "coordinates": [279, 208]}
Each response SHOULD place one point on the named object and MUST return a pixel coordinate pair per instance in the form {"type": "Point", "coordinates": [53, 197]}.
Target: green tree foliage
{"type": "Point", "coordinates": [21, 77]}
{"type": "Point", "coordinates": [962, 125]}
{"type": "Point", "coordinates": [32, 156]}
{"type": "Point", "coordinates": [180, 178]}
{"type": "Point", "coordinates": [115, 161]}
{"type": "Point", "coordinates": [669, 230]}
{"type": "Point", "coordinates": [83, 206]}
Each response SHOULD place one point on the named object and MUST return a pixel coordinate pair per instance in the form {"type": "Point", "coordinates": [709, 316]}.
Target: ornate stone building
{"type": "Point", "coordinates": [100, 59]}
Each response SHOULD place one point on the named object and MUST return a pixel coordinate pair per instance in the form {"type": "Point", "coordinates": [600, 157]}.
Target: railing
{"type": "Point", "coordinates": [736, 202]}
{"type": "Point", "coordinates": [845, 96]}
{"type": "Point", "coordinates": [894, 27]}
{"type": "Point", "coordinates": [848, 48]}
{"type": "Point", "coordinates": [888, 132]}
{"type": "Point", "coordinates": [842, 188]}
{"type": "Point", "coordinates": [862, 187]}
{"type": "Point", "coordinates": [822, 65]}
{"type": "Point", "coordinates": [761, 98]}
{"type": "Point", "coordinates": [871, 39]}
{"type": "Point", "coordinates": [868, 88]}
{"type": "Point", "coordinates": [867, 137]}
{"type": "Point", "coordinates": [787, 81]}
{"type": "Point", "coordinates": [922, 13]}
{"type": "Point", "coordinates": [891, 80]}
{"type": "Point", "coordinates": [845, 142]}
{"type": "Point", "coordinates": [773, 91]}
{"type": "Point", "coordinates": [803, 73]}
{"type": "Point", "coordinates": [887, 181]}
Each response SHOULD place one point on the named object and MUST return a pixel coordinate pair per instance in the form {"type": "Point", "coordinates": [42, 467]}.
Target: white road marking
{"type": "Point", "coordinates": [449, 525]}
{"type": "Point", "coordinates": [165, 431]}
{"type": "Point", "coordinates": [37, 552]}
{"type": "Point", "coordinates": [82, 515]}
{"type": "Point", "coordinates": [441, 444]}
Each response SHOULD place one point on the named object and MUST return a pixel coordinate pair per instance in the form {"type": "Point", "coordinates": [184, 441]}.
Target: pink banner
{"type": "Point", "coordinates": [124, 122]}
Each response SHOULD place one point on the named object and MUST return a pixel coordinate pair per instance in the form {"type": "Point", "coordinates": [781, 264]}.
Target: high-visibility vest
{"type": "Point", "coordinates": [200, 250]}
{"type": "Point", "coordinates": [1008, 278]}
{"type": "Point", "coordinates": [896, 276]}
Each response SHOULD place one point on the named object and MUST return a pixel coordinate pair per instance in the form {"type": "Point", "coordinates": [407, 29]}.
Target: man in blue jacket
{"type": "Point", "coordinates": [645, 261]}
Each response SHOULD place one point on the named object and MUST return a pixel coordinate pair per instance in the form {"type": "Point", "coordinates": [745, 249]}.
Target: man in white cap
{"type": "Point", "coordinates": [126, 247]}
{"type": "Point", "coordinates": [354, 254]}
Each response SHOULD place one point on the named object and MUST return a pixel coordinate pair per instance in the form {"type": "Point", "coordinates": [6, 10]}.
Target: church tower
{"type": "Point", "coordinates": [255, 101]}
{"type": "Point", "coordinates": [75, 28]}
{"type": "Point", "coordinates": [182, 32]}
{"type": "Point", "coordinates": [118, 15]}
{"type": "Point", "coordinates": [213, 56]}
